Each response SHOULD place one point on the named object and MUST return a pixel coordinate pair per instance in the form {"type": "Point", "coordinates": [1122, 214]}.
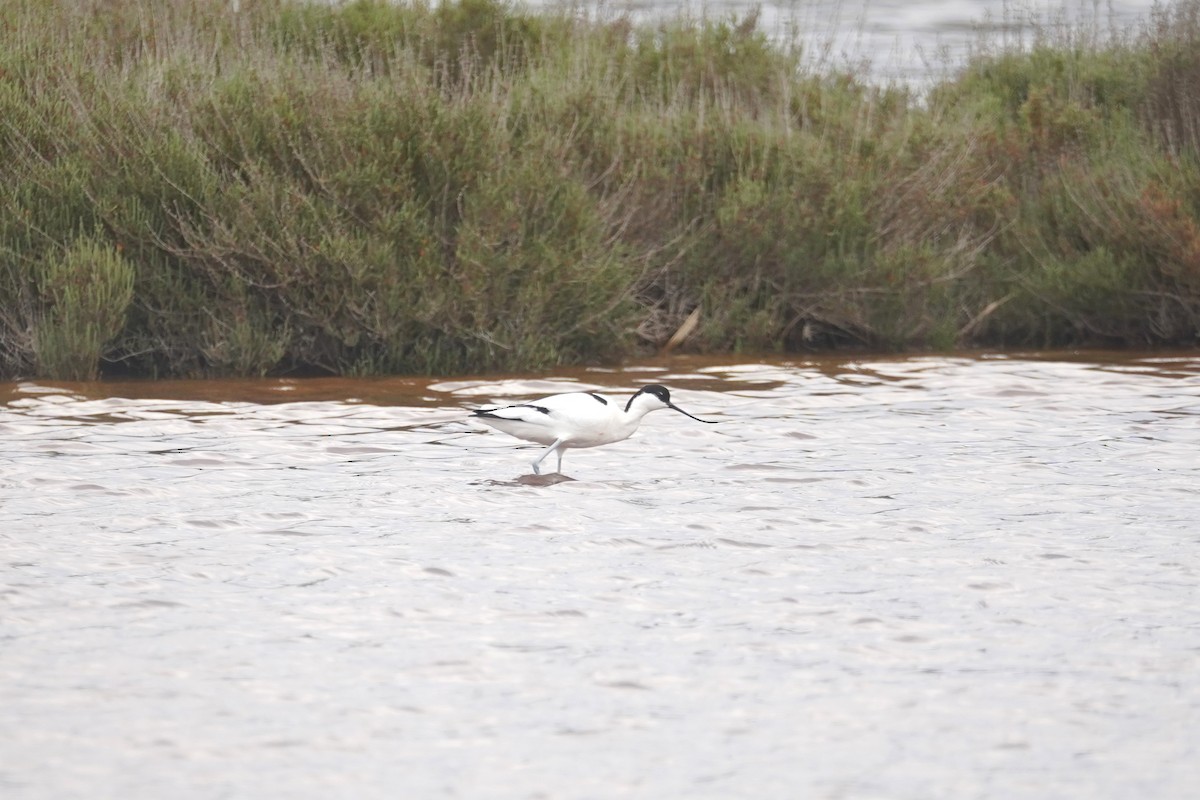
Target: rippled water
{"type": "Point", "coordinates": [915, 578]}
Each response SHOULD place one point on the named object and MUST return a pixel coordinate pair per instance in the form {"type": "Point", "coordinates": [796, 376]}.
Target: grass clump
{"type": "Point", "coordinates": [369, 187]}
{"type": "Point", "coordinates": [83, 295]}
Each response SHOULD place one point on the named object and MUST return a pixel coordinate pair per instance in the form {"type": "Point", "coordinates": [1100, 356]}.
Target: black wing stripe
{"type": "Point", "coordinates": [490, 412]}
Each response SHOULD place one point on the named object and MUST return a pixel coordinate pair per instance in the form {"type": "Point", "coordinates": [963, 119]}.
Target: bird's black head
{"type": "Point", "coordinates": [654, 390]}
{"type": "Point", "coordinates": [658, 391]}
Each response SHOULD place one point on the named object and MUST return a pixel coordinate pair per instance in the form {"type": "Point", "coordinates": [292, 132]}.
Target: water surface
{"type": "Point", "coordinates": [912, 578]}
{"type": "Point", "coordinates": [915, 43]}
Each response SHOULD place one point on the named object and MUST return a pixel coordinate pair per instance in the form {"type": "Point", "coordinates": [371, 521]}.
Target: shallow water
{"type": "Point", "coordinates": [913, 578]}
{"type": "Point", "coordinates": [915, 43]}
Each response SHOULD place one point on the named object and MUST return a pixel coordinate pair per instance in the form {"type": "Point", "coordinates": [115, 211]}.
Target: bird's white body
{"type": "Point", "coordinates": [576, 419]}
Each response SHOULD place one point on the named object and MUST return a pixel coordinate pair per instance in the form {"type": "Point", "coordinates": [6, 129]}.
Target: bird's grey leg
{"type": "Point", "coordinates": [552, 448]}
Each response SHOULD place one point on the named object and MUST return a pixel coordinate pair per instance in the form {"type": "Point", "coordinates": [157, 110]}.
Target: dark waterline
{"type": "Point", "coordinates": [416, 390]}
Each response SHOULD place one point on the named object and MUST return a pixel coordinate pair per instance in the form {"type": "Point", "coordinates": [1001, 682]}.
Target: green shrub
{"type": "Point", "coordinates": [83, 296]}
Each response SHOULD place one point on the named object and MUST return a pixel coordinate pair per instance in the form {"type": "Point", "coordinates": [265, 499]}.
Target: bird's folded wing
{"type": "Point", "coordinates": [519, 413]}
